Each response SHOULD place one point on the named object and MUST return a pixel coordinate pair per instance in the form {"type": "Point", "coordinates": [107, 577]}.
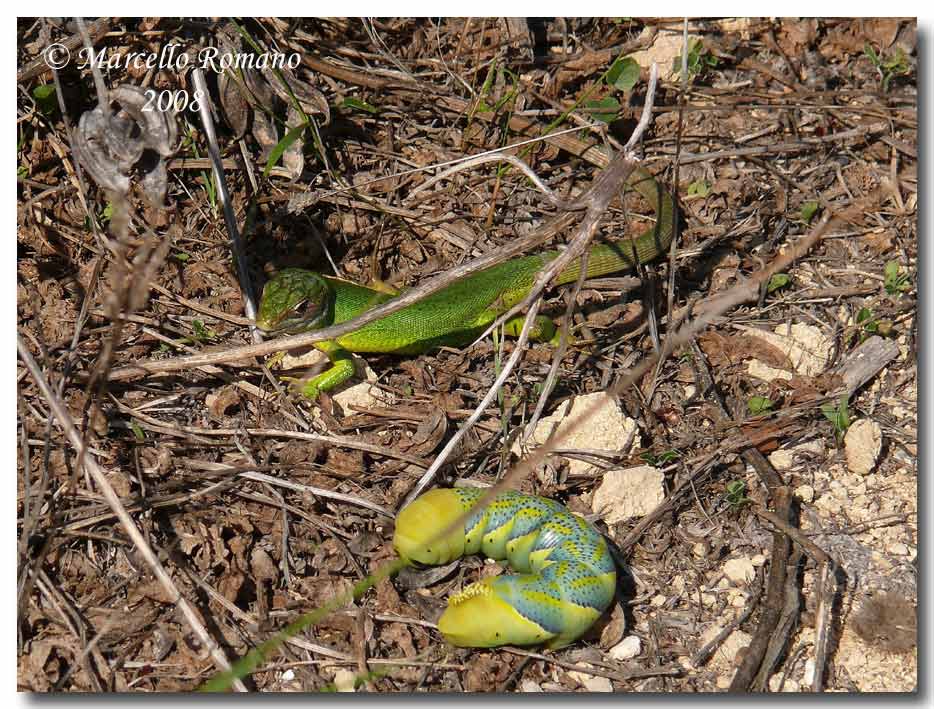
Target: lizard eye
{"type": "Point", "coordinates": [306, 308]}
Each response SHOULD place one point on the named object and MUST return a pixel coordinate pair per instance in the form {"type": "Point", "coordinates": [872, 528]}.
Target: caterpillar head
{"type": "Point", "coordinates": [419, 524]}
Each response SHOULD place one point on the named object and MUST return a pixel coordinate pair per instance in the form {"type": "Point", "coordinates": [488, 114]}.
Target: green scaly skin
{"type": "Point", "coordinates": [296, 300]}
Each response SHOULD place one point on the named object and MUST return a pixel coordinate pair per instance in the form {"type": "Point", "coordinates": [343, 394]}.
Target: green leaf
{"type": "Point", "coordinates": [865, 318]}
{"type": "Point", "coordinates": [736, 493]}
{"type": "Point", "coordinates": [282, 146]}
{"type": "Point", "coordinates": [44, 94]}
{"type": "Point", "coordinates": [624, 74]}
{"type": "Point", "coordinates": [604, 109]}
{"type": "Point", "coordinates": [698, 60]}
{"type": "Point", "coordinates": [839, 416]}
{"type": "Point", "coordinates": [778, 280]}
{"type": "Point", "coordinates": [808, 210]}
{"type": "Point", "coordinates": [871, 54]}
{"type": "Point", "coordinates": [668, 456]}
{"type": "Point", "coordinates": [182, 256]}
{"type": "Point", "coordinates": [758, 404]}
{"type": "Point", "coordinates": [137, 431]}
{"type": "Point", "coordinates": [699, 187]}
{"type": "Point", "coordinates": [895, 282]}
{"type": "Point", "coordinates": [359, 105]}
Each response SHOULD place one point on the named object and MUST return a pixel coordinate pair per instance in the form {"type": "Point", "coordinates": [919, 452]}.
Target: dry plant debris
{"type": "Point", "coordinates": [259, 507]}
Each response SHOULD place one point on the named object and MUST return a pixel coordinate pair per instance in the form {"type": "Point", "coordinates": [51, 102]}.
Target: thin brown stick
{"type": "Point", "coordinates": [774, 600]}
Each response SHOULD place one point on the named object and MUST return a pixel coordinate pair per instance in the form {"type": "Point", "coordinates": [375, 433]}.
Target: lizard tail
{"type": "Point", "coordinates": [626, 253]}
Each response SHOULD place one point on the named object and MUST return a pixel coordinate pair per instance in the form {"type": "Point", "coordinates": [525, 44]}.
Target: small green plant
{"type": "Point", "coordinates": [137, 431]}
{"type": "Point", "coordinates": [622, 75]}
{"type": "Point", "coordinates": [736, 494]}
{"type": "Point", "coordinates": [604, 109]}
{"type": "Point", "coordinates": [487, 89]}
{"type": "Point", "coordinates": [895, 282]}
{"type": "Point", "coordinates": [202, 333]}
{"type": "Point", "coordinates": [279, 149]}
{"type": "Point", "coordinates": [188, 141]}
{"type": "Point", "coordinates": [839, 416]}
{"type": "Point", "coordinates": [888, 67]}
{"type": "Point", "coordinates": [700, 188]}
{"type": "Point", "coordinates": [778, 280]}
{"type": "Point", "coordinates": [356, 104]}
{"type": "Point", "coordinates": [668, 456]}
{"type": "Point", "coordinates": [699, 59]}
{"type": "Point", "coordinates": [44, 94]}
{"type": "Point", "coordinates": [867, 324]}
{"type": "Point", "coordinates": [759, 404]}
{"type": "Point", "coordinates": [808, 210]}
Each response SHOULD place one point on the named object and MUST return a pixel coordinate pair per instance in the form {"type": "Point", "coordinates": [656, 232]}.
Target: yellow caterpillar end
{"type": "Point", "coordinates": [478, 617]}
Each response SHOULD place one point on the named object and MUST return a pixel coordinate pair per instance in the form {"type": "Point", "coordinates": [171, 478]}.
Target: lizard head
{"type": "Point", "coordinates": [294, 301]}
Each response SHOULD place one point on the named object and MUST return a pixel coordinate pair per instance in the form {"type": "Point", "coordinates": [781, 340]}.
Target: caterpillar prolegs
{"type": "Point", "coordinates": [566, 575]}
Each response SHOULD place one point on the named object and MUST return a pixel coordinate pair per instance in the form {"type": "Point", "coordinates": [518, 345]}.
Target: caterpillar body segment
{"type": "Point", "coordinates": [566, 576]}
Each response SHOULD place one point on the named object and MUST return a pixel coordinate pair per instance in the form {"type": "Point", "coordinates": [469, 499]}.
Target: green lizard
{"type": "Point", "coordinates": [296, 300]}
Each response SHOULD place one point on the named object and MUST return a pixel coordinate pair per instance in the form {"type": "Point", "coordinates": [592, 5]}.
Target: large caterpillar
{"type": "Point", "coordinates": [566, 578]}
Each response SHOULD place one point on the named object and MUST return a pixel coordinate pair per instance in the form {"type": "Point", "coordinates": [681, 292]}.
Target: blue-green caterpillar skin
{"type": "Point", "coordinates": [566, 575]}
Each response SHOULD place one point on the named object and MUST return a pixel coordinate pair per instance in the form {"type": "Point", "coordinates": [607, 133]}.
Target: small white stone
{"type": "Point", "coordinates": [344, 680]}
{"type": "Point", "coordinates": [760, 370]}
{"type": "Point", "coordinates": [739, 571]}
{"type": "Point", "coordinates": [724, 682]}
{"type": "Point", "coordinates": [629, 647]}
{"type": "Point", "coordinates": [530, 686]}
{"type": "Point", "coordinates": [287, 676]}
{"type": "Point", "coordinates": [607, 429]}
{"type": "Point", "coordinates": [662, 49]}
{"type": "Point", "coordinates": [308, 358]}
{"type": "Point", "coordinates": [805, 493]}
{"type": "Point", "coordinates": [658, 600]}
{"type": "Point", "coordinates": [806, 347]}
{"type": "Point", "coordinates": [361, 396]}
{"type": "Point", "coordinates": [689, 391]}
{"type": "Point", "coordinates": [624, 494]}
{"type": "Point", "coordinates": [599, 684]}
{"type": "Point", "coordinates": [785, 458]}
{"type": "Point", "coordinates": [591, 682]}
{"type": "Point", "coordinates": [898, 549]}
{"type": "Point", "coordinates": [862, 445]}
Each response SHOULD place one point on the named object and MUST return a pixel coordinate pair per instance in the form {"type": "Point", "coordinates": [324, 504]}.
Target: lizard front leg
{"type": "Point", "coordinates": [341, 370]}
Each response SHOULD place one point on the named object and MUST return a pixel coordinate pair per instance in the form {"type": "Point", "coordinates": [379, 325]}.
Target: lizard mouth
{"type": "Point", "coordinates": [302, 318]}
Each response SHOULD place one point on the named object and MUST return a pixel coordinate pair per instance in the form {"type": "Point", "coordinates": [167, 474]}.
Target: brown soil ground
{"type": "Point", "coordinates": [778, 125]}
